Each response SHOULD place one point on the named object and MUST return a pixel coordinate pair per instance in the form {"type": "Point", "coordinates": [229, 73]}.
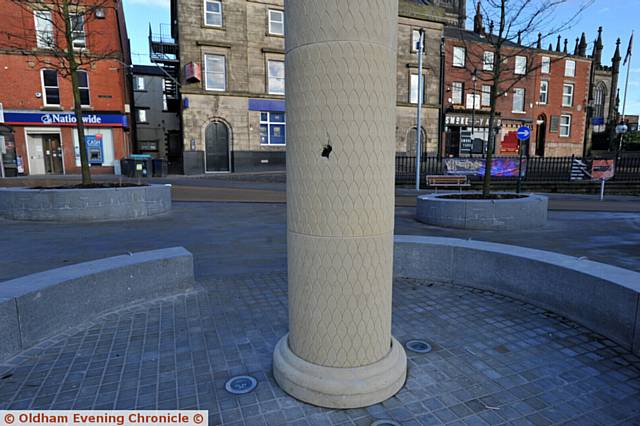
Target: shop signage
{"type": "Point", "coordinates": [466, 142]}
{"type": "Point", "coordinates": [465, 121]}
{"type": "Point", "coordinates": [272, 105]}
{"type": "Point", "coordinates": [65, 119]}
{"type": "Point", "coordinates": [476, 166]}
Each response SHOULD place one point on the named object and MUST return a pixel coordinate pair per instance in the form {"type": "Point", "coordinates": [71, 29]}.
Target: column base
{"type": "Point", "coordinates": [333, 387]}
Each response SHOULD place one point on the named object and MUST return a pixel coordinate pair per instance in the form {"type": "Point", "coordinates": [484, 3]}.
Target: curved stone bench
{"type": "Point", "coordinates": [602, 297]}
{"type": "Point", "coordinates": [40, 305]}
{"type": "Point", "coordinates": [501, 214]}
{"type": "Point", "coordinates": [84, 204]}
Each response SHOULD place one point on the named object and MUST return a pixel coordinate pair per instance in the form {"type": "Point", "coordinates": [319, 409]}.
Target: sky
{"type": "Point", "coordinates": [617, 17]}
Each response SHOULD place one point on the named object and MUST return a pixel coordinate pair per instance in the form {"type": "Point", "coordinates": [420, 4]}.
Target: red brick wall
{"type": "Point", "coordinates": [555, 145]}
{"type": "Point", "coordinates": [20, 75]}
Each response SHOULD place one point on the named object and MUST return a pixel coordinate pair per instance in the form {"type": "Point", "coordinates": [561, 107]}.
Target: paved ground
{"type": "Point", "coordinates": [226, 238]}
{"type": "Point", "coordinates": [495, 361]}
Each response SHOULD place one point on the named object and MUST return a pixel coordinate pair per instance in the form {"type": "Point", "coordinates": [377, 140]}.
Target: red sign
{"type": "Point", "coordinates": [602, 169]}
{"type": "Point", "coordinates": [192, 72]}
{"type": "Point", "coordinates": [510, 144]}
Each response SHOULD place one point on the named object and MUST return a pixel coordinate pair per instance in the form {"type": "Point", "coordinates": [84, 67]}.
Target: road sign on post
{"type": "Point", "coordinates": [524, 133]}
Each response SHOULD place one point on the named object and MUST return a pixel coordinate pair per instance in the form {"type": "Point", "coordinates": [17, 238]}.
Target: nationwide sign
{"type": "Point", "coordinates": [64, 119]}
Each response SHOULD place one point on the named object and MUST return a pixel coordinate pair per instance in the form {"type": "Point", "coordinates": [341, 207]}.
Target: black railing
{"type": "Point", "coordinates": [539, 169]}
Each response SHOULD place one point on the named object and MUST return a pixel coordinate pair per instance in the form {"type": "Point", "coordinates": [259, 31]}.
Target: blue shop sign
{"type": "Point", "coordinates": [266, 105]}
{"type": "Point", "coordinates": [64, 119]}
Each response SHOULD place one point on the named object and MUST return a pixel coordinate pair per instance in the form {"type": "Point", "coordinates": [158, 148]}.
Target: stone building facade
{"type": "Point", "coordinates": [231, 56]}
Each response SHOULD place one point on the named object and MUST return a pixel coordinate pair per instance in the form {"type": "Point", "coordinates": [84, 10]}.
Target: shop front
{"type": "Point", "coordinates": [48, 144]}
{"type": "Point", "coordinates": [467, 133]}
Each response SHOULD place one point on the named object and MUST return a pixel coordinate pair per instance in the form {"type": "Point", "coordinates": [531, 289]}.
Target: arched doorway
{"type": "Point", "coordinates": [217, 147]}
{"type": "Point", "coordinates": [411, 140]}
{"type": "Point", "coordinates": [541, 134]}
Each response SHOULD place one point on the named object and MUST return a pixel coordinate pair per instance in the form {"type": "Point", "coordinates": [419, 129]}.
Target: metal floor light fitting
{"type": "Point", "coordinates": [239, 385]}
{"type": "Point", "coordinates": [418, 346]}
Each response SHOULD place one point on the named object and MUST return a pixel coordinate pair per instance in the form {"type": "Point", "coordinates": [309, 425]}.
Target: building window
{"type": "Point", "coordinates": [488, 58]}
{"type": "Point", "coordinates": [485, 100]}
{"type": "Point", "coordinates": [212, 13]}
{"type": "Point", "coordinates": [50, 88]}
{"type": "Point", "coordinates": [276, 22]}
{"type": "Point", "coordinates": [83, 86]}
{"type": "Point", "coordinates": [139, 83]}
{"type": "Point", "coordinates": [215, 73]}
{"type": "Point", "coordinates": [565, 126]}
{"type": "Point", "coordinates": [272, 128]}
{"type": "Point", "coordinates": [142, 116]}
{"type": "Point", "coordinates": [599, 98]}
{"type": "Point", "coordinates": [413, 92]}
{"type": "Point", "coordinates": [518, 100]}
{"type": "Point", "coordinates": [544, 92]}
{"type": "Point", "coordinates": [275, 77]}
{"type": "Point", "coordinates": [521, 65]}
{"type": "Point", "coordinates": [78, 36]}
{"type": "Point", "coordinates": [569, 68]}
{"type": "Point", "coordinates": [44, 29]}
{"type": "Point", "coordinates": [457, 92]}
{"type": "Point", "coordinates": [567, 95]}
{"type": "Point", "coordinates": [545, 65]}
{"type": "Point", "coordinates": [458, 56]}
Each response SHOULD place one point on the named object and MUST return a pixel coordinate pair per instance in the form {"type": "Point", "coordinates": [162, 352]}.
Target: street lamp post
{"type": "Point", "coordinates": [474, 78]}
{"type": "Point", "coordinates": [621, 130]}
{"type": "Point", "coordinates": [420, 49]}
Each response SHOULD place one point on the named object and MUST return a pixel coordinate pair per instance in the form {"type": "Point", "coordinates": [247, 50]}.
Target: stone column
{"type": "Point", "coordinates": [341, 116]}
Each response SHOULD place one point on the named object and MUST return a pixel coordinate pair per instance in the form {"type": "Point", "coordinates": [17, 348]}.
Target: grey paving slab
{"type": "Point", "coordinates": [231, 238]}
{"type": "Point", "coordinates": [495, 361]}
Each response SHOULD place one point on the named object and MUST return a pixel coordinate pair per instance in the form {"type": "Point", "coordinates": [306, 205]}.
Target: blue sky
{"type": "Point", "coordinates": [618, 17]}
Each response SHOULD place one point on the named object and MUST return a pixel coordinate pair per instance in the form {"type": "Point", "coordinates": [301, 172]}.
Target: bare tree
{"type": "Point", "coordinates": [522, 27]}
{"type": "Point", "coordinates": [60, 43]}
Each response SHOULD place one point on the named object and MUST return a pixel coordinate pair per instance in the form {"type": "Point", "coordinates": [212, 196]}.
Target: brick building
{"type": "Point", "coordinates": [37, 102]}
{"type": "Point", "coordinates": [544, 89]}
{"type": "Point", "coordinates": [231, 57]}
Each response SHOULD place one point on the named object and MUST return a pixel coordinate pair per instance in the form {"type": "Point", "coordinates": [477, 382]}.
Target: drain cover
{"type": "Point", "coordinates": [418, 346]}
{"type": "Point", "coordinates": [385, 423]}
{"type": "Point", "coordinates": [241, 384]}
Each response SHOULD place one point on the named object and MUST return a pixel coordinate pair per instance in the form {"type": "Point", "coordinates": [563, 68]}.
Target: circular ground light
{"type": "Point", "coordinates": [418, 346]}
{"type": "Point", "coordinates": [385, 423]}
{"type": "Point", "coordinates": [240, 385]}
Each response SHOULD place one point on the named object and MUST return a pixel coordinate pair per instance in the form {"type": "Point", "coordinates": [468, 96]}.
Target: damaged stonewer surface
{"type": "Point", "coordinates": [341, 90]}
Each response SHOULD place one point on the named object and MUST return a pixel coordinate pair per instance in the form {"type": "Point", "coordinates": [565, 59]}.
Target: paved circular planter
{"type": "Point", "coordinates": [84, 204]}
{"type": "Point", "coordinates": [516, 213]}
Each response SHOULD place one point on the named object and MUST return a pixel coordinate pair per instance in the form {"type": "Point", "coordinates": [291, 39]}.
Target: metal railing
{"type": "Point", "coordinates": [538, 169]}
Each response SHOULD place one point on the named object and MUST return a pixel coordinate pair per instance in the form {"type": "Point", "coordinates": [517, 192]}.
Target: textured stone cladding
{"type": "Point", "coordinates": [341, 91]}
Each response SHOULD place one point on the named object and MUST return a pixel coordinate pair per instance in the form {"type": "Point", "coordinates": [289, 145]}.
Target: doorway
{"type": "Point", "coordinates": [45, 154]}
{"type": "Point", "coordinates": [217, 147]}
{"type": "Point", "coordinates": [541, 135]}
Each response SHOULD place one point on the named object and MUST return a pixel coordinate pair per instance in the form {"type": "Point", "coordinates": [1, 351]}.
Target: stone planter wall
{"type": "Point", "coordinates": [518, 213]}
{"type": "Point", "coordinates": [602, 297]}
{"type": "Point", "coordinates": [84, 205]}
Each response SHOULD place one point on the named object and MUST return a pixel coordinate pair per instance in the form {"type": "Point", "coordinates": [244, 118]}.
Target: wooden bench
{"type": "Point", "coordinates": [448, 181]}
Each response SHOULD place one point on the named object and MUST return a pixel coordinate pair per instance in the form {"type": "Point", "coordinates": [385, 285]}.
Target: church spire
{"type": "Point", "coordinates": [576, 47]}
{"type": "Point", "coordinates": [597, 49]}
{"type": "Point", "coordinates": [582, 47]}
{"type": "Point", "coordinates": [478, 26]}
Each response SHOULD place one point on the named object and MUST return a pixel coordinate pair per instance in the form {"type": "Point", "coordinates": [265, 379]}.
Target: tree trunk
{"type": "Point", "coordinates": [77, 103]}
{"type": "Point", "coordinates": [497, 69]}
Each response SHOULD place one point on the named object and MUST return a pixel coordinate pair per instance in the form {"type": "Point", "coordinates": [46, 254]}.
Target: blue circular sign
{"type": "Point", "coordinates": [524, 133]}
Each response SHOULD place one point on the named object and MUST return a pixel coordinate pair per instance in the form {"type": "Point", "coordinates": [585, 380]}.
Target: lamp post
{"type": "Point", "coordinates": [474, 78]}
{"type": "Point", "coordinates": [621, 130]}
{"type": "Point", "coordinates": [420, 50]}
